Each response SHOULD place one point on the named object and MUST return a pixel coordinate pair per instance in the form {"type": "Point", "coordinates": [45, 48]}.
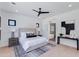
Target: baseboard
{"type": "Point", "coordinates": [68, 46]}
{"type": "Point", "coordinates": [4, 44]}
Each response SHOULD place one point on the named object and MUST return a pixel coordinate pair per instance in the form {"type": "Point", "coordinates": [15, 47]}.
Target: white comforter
{"type": "Point", "coordinates": [28, 42]}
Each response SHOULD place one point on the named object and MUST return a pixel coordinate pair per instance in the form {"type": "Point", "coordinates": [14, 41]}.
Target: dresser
{"type": "Point", "coordinates": [76, 39]}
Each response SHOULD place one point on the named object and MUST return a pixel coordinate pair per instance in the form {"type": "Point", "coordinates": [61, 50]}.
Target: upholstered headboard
{"type": "Point", "coordinates": [27, 30]}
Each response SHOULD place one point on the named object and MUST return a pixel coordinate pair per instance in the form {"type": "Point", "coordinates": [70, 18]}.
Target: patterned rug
{"type": "Point", "coordinates": [19, 51]}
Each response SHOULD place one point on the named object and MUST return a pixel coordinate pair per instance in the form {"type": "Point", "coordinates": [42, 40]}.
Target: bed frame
{"type": "Point", "coordinates": [31, 30]}
{"type": "Point", "coordinates": [27, 30]}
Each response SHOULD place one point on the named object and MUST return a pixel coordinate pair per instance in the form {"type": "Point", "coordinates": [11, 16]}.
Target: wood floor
{"type": "Point", "coordinates": [7, 52]}
{"type": "Point", "coordinates": [57, 51]}
{"type": "Point", "coordinates": [62, 51]}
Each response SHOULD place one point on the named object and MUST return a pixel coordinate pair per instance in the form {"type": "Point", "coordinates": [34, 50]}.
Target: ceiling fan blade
{"type": "Point", "coordinates": [38, 14]}
{"type": "Point", "coordinates": [35, 10]}
{"type": "Point", "coordinates": [44, 12]}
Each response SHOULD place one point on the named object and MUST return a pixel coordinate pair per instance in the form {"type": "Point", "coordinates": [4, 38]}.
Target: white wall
{"type": "Point", "coordinates": [24, 21]}
{"type": "Point", "coordinates": [72, 15]}
{"type": "Point", "coordinates": [21, 21]}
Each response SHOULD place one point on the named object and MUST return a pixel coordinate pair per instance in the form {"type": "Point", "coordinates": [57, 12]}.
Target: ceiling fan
{"type": "Point", "coordinates": [13, 3]}
{"type": "Point", "coordinates": [40, 12]}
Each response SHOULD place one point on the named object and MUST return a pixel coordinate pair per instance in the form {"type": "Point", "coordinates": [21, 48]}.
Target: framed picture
{"type": "Point", "coordinates": [11, 22]}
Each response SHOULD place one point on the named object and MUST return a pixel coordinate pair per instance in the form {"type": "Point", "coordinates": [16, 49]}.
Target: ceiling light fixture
{"type": "Point", "coordinates": [70, 5]}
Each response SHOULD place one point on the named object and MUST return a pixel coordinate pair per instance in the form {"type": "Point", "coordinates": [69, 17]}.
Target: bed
{"type": "Point", "coordinates": [29, 44]}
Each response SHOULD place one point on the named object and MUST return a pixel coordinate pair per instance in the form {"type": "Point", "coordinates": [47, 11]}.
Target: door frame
{"type": "Point", "coordinates": [54, 24]}
{"type": "Point", "coordinates": [0, 27]}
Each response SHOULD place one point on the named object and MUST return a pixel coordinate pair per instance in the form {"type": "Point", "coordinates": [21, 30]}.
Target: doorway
{"type": "Point", "coordinates": [53, 31]}
{"type": "Point", "coordinates": [0, 27]}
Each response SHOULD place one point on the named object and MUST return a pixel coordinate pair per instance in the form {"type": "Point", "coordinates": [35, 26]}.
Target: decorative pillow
{"type": "Point", "coordinates": [29, 35]}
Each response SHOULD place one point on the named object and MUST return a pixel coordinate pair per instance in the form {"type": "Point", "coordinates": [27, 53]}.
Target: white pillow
{"type": "Point", "coordinates": [29, 32]}
{"type": "Point", "coordinates": [23, 34]}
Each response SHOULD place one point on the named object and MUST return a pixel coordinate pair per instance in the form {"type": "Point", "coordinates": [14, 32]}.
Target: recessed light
{"type": "Point", "coordinates": [70, 5]}
{"type": "Point", "coordinates": [16, 10]}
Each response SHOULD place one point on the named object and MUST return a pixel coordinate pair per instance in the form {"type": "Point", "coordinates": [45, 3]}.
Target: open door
{"type": "Point", "coordinates": [0, 27]}
{"type": "Point", "coordinates": [52, 35]}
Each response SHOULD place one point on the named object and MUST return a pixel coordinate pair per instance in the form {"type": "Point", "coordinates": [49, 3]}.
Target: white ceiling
{"type": "Point", "coordinates": [25, 8]}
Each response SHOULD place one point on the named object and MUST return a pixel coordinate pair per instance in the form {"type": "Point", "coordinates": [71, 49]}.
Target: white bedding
{"type": "Point", "coordinates": [30, 42]}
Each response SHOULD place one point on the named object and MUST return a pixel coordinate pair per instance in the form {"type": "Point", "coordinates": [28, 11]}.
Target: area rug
{"type": "Point", "coordinates": [19, 51]}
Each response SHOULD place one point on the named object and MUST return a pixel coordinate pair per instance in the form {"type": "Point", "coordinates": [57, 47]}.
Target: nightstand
{"type": "Point", "coordinates": [13, 42]}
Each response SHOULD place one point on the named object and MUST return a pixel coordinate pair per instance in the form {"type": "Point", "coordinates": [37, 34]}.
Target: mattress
{"type": "Point", "coordinates": [31, 42]}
